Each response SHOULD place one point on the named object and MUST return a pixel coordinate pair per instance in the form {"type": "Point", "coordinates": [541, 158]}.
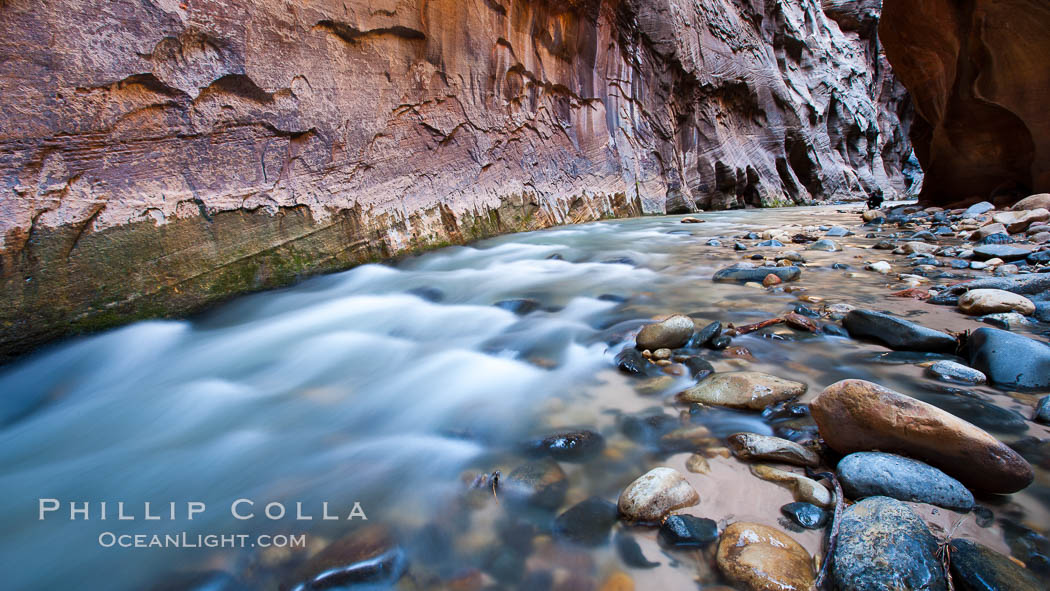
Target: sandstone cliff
{"type": "Point", "coordinates": [157, 155]}
{"type": "Point", "coordinates": [979, 76]}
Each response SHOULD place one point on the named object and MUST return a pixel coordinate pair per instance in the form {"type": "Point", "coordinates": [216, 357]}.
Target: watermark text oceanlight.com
{"type": "Point", "coordinates": [188, 540]}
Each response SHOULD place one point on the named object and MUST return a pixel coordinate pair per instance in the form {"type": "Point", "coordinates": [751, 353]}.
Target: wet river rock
{"type": "Point", "coordinates": [368, 556]}
{"type": "Point", "coordinates": [685, 531]}
{"type": "Point", "coordinates": [856, 415]}
{"type": "Point", "coordinates": [979, 568]}
{"type": "Point", "coordinates": [802, 488]}
{"type": "Point", "coordinates": [884, 545]}
{"type": "Point", "coordinates": [874, 474]}
{"type": "Point", "coordinates": [572, 446]}
{"type": "Point", "coordinates": [588, 522]}
{"type": "Point", "coordinates": [752, 446]}
{"type": "Point", "coordinates": [672, 333]}
{"type": "Point", "coordinates": [745, 272]}
{"type": "Point", "coordinates": [1009, 359]}
{"type": "Point", "coordinates": [897, 333]}
{"type": "Point", "coordinates": [539, 483]}
{"type": "Point", "coordinates": [760, 558]}
{"type": "Point", "coordinates": [749, 390]}
{"type": "Point", "coordinates": [805, 515]}
{"type": "Point", "coordinates": [951, 371]}
{"type": "Point", "coordinates": [655, 494]}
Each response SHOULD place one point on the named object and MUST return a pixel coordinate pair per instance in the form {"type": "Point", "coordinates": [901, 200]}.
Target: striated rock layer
{"type": "Point", "coordinates": [978, 74]}
{"type": "Point", "coordinates": [156, 155]}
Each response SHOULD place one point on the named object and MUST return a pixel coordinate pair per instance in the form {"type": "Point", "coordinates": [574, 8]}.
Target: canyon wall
{"type": "Point", "coordinates": [157, 155]}
{"type": "Point", "coordinates": [979, 75]}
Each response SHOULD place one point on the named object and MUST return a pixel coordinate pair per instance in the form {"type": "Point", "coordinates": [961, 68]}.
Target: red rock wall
{"type": "Point", "coordinates": [979, 75]}
{"type": "Point", "coordinates": [156, 155]}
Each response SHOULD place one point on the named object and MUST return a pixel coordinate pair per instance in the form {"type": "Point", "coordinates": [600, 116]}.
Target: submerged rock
{"type": "Point", "coordinates": [686, 531]}
{"type": "Point", "coordinates": [587, 522]}
{"type": "Point", "coordinates": [760, 558]}
{"type": "Point", "coordinates": [750, 390]}
{"type": "Point", "coordinates": [539, 483]}
{"type": "Point", "coordinates": [884, 545]}
{"type": "Point", "coordinates": [1042, 411]}
{"type": "Point", "coordinates": [1009, 359]}
{"type": "Point", "coordinates": [873, 474]}
{"type": "Point", "coordinates": [806, 515]}
{"type": "Point", "coordinates": [855, 415]}
{"type": "Point", "coordinates": [897, 333]}
{"type": "Point", "coordinates": [746, 272]}
{"type": "Point", "coordinates": [655, 494]}
{"type": "Point", "coordinates": [1001, 251]}
{"type": "Point", "coordinates": [572, 446]}
{"type": "Point", "coordinates": [752, 446]}
{"type": "Point", "coordinates": [368, 557]}
{"type": "Point", "coordinates": [630, 552]}
{"type": "Point", "coordinates": [672, 333]}
{"type": "Point", "coordinates": [824, 245]}
{"type": "Point", "coordinates": [979, 568]}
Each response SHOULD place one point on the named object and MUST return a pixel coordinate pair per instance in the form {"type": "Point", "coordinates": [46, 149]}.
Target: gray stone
{"type": "Point", "coordinates": [1042, 411]}
{"type": "Point", "coordinates": [837, 232]}
{"type": "Point", "coordinates": [1009, 359]}
{"type": "Point", "coordinates": [824, 245]}
{"type": "Point", "coordinates": [897, 333]}
{"type": "Point", "coordinates": [977, 209]}
{"type": "Point", "coordinates": [744, 272]}
{"type": "Point", "coordinates": [1001, 251]}
{"type": "Point", "coordinates": [951, 371]}
{"type": "Point", "coordinates": [872, 474]}
{"type": "Point", "coordinates": [884, 545]}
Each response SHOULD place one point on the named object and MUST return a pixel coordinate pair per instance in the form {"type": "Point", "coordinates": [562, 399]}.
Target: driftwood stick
{"type": "Point", "coordinates": [833, 536]}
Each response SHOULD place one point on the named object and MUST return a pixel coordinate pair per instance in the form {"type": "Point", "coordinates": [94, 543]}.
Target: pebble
{"type": "Point", "coordinates": [880, 267]}
{"type": "Point", "coordinates": [655, 494]}
{"type": "Point", "coordinates": [744, 390]}
{"type": "Point", "coordinates": [951, 371]}
{"type": "Point", "coordinates": [872, 474]}
{"type": "Point", "coordinates": [705, 334]}
{"type": "Point", "coordinates": [806, 515]}
{"type": "Point", "coordinates": [856, 415]}
{"type": "Point", "coordinates": [979, 568]}
{"type": "Point", "coordinates": [760, 558]}
{"type": "Point", "coordinates": [752, 446]}
{"type": "Point", "coordinates": [367, 557]}
{"type": "Point", "coordinates": [1007, 320]}
{"type": "Point", "coordinates": [803, 488]}
{"type": "Point", "coordinates": [1009, 359]}
{"type": "Point", "coordinates": [697, 464]}
{"type": "Point", "coordinates": [1042, 411]}
{"type": "Point", "coordinates": [800, 322]}
{"type": "Point", "coordinates": [884, 545]}
{"type": "Point", "coordinates": [692, 220]}
{"type": "Point", "coordinates": [686, 531]}
{"type": "Point", "coordinates": [897, 333]}
{"type": "Point", "coordinates": [588, 522]}
{"type": "Point", "coordinates": [977, 302]}
{"type": "Point", "coordinates": [824, 245]}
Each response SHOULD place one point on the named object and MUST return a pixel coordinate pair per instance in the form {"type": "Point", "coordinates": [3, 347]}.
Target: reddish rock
{"type": "Point", "coordinates": [977, 73]}
{"type": "Point", "coordinates": [160, 156]}
{"type": "Point", "coordinates": [856, 415]}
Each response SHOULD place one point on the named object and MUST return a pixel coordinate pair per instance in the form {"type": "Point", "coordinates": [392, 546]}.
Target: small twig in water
{"type": "Point", "coordinates": [944, 549]}
{"type": "Point", "coordinates": [833, 536]}
{"type": "Point", "coordinates": [495, 482]}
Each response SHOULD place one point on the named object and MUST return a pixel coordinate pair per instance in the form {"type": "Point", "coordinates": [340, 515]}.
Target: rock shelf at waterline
{"type": "Point", "coordinates": [580, 407]}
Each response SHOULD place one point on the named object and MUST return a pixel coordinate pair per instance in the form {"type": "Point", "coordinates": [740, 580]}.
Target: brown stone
{"type": "Point", "coordinates": [761, 558]}
{"type": "Point", "coordinates": [800, 322]}
{"type": "Point", "coordinates": [1040, 201]}
{"type": "Point", "coordinates": [744, 389]}
{"type": "Point", "coordinates": [856, 415]}
{"type": "Point", "coordinates": [752, 446]}
{"type": "Point", "coordinates": [655, 494]}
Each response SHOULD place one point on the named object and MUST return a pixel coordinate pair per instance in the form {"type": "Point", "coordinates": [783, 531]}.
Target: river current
{"type": "Point", "coordinates": [395, 386]}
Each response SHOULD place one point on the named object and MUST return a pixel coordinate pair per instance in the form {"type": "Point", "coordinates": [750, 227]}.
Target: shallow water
{"type": "Point", "coordinates": [393, 386]}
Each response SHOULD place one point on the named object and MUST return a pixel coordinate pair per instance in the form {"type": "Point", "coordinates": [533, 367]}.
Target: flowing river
{"type": "Point", "coordinates": [395, 386]}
